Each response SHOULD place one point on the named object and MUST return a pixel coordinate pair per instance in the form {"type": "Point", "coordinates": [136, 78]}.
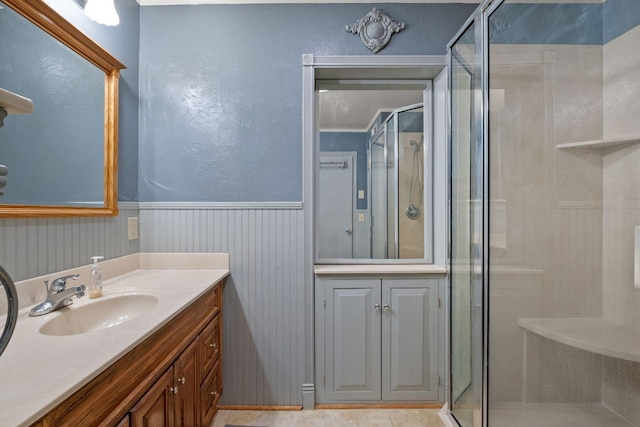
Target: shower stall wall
{"type": "Point", "coordinates": [545, 200]}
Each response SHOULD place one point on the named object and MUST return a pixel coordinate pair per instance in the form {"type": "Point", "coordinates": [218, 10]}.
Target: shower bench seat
{"type": "Point", "coordinates": [592, 334]}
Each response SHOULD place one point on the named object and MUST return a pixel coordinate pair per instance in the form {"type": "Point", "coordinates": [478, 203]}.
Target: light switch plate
{"type": "Point", "coordinates": [360, 217]}
{"type": "Point", "coordinates": [360, 194]}
{"type": "Point", "coordinates": [133, 228]}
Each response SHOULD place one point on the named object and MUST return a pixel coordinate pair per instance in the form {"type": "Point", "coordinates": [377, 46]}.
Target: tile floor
{"type": "Point", "coordinates": [332, 418]}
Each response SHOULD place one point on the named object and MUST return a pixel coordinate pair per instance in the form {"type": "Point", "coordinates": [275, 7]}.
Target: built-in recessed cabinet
{"type": "Point", "coordinates": [377, 340]}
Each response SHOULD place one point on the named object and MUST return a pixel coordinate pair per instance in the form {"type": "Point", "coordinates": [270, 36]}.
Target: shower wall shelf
{"type": "Point", "coordinates": [594, 334]}
{"type": "Point", "coordinates": [601, 143]}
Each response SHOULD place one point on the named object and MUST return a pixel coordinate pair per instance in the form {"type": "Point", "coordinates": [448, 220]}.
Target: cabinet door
{"type": "Point", "coordinates": [125, 422]}
{"type": "Point", "coordinates": [210, 345]}
{"type": "Point", "coordinates": [410, 339]}
{"type": "Point", "coordinates": [352, 340]}
{"type": "Point", "coordinates": [187, 387]}
{"type": "Point", "coordinates": [155, 408]}
{"type": "Point", "coordinates": [210, 392]}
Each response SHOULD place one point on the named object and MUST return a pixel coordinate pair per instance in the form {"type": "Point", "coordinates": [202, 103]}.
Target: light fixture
{"type": "Point", "coordinates": [102, 11]}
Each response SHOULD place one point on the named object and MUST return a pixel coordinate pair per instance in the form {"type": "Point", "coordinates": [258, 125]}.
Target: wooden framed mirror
{"type": "Point", "coordinates": [70, 165]}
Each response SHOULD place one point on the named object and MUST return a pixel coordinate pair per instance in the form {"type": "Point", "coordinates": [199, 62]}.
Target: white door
{"type": "Point", "coordinates": [335, 228]}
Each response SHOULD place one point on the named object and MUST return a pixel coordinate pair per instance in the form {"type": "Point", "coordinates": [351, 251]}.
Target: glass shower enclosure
{"type": "Point", "coordinates": [397, 154]}
{"type": "Point", "coordinates": [544, 290]}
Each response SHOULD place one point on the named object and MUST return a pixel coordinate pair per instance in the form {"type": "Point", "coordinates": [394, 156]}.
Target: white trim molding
{"type": "Point", "coordinates": [214, 205]}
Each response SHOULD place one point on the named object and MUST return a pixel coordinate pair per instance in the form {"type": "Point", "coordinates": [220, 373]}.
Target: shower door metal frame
{"type": "Point", "coordinates": [488, 7]}
{"type": "Point", "coordinates": [480, 18]}
{"type": "Point", "coordinates": [479, 279]}
{"type": "Point", "coordinates": [381, 133]}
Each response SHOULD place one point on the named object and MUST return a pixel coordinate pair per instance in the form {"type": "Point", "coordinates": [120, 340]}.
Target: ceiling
{"type": "Point", "coordinates": [355, 110]}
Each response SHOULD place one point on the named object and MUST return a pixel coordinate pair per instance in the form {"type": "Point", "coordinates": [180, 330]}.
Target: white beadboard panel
{"type": "Point", "coordinates": [31, 247]}
{"type": "Point", "coordinates": [264, 300]}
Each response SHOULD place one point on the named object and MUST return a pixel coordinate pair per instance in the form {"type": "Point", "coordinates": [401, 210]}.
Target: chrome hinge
{"type": "Point", "coordinates": [438, 379]}
{"type": "Point", "coordinates": [324, 380]}
{"type": "Point", "coordinates": [324, 303]}
{"type": "Point", "coordinates": [439, 303]}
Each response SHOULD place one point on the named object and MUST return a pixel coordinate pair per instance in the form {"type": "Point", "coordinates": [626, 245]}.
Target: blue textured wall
{"type": "Point", "coordinates": [221, 90]}
{"type": "Point", "coordinates": [571, 23]}
{"type": "Point", "coordinates": [122, 42]}
{"type": "Point", "coordinates": [619, 16]}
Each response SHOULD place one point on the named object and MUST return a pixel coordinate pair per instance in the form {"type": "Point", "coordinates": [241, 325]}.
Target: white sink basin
{"type": "Point", "coordinates": [101, 314]}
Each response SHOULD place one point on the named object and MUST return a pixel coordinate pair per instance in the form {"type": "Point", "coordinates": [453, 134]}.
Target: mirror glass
{"type": "Point", "coordinates": [62, 157]}
{"type": "Point", "coordinates": [55, 156]}
{"type": "Point", "coordinates": [371, 173]}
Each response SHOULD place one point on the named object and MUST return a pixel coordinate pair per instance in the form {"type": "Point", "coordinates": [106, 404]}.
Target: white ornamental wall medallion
{"type": "Point", "coordinates": [375, 29]}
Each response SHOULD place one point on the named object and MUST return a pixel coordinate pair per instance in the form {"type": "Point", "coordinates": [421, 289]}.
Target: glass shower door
{"type": "Point", "coordinates": [466, 231]}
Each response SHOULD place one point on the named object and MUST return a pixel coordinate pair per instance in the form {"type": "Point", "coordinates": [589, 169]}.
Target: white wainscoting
{"type": "Point", "coordinates": [32, 247]}
{"type": "Point", "coordinates": [264, 302]}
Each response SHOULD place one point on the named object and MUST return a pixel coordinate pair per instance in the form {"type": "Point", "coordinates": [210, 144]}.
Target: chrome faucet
{"type": "Point", "coordinates": [58, 295]}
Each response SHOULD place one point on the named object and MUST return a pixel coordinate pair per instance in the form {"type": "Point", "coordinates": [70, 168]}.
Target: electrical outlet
{"type": "Point", "coordinates": [133, 228]}
{"type": "Point", "coordinates": [360, 217]}
{"type": "Point", "coordinates": [360, 194]}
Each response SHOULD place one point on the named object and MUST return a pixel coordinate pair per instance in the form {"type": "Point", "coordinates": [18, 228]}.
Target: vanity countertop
{"type": "Point", "coordinates": [37, 372]}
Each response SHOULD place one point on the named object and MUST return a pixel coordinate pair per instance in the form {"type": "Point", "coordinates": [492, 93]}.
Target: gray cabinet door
{"type": "Point", "coordinates": [352, 339]}
{"type": "Point", "coordinates": [410, 339]}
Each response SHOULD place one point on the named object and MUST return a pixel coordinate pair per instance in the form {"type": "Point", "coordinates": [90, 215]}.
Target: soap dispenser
{"type": "Point", "coordinates": [95, 278]}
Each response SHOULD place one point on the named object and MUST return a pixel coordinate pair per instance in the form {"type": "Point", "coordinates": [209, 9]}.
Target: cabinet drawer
{"type": "Point", "coordinates": [210, 344]}
{"type": "Point", "coordinates": [210, 391]}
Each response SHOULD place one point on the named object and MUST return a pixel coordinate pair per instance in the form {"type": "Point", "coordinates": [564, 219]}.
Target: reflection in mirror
{"type": "Point", "coordinates": [54, 155]}
{"type": "Point", "coordinates": [371, 174]}
{"type": "Point", "coordinates": [61, 158]}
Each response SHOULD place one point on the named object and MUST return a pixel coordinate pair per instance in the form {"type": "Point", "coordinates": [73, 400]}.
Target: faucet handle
{"type": "Point", "coordinates": [60, 283]}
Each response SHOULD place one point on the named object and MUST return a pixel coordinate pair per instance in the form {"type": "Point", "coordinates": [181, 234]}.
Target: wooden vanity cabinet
{"type": "Point", "coordinates": [186, 386]}
{"type": "Point", "coordinates": [156, 408]}
{"type": "Point", "coordinates": [125, 422]}
{"type": "Point", "coordinates": [210, 392]}
{"type": "Point", "coordinates": [173, 378]}
{"type": "Point", "coordinates": [211, 374]}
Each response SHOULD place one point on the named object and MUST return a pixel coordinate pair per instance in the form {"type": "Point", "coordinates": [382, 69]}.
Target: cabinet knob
{"type": "Point", "coordinates": [182, 380]}
{"type": "Point", "coordinates": [377, 307]}
{"type": "Point", "coordinates": [385, 307]}
{"type": "Point", "coordinates": [173, 390]}
{"type": "Point", "coordinates": [213, 345]}
{"type": "Point", "coordinates": [213, 393]}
